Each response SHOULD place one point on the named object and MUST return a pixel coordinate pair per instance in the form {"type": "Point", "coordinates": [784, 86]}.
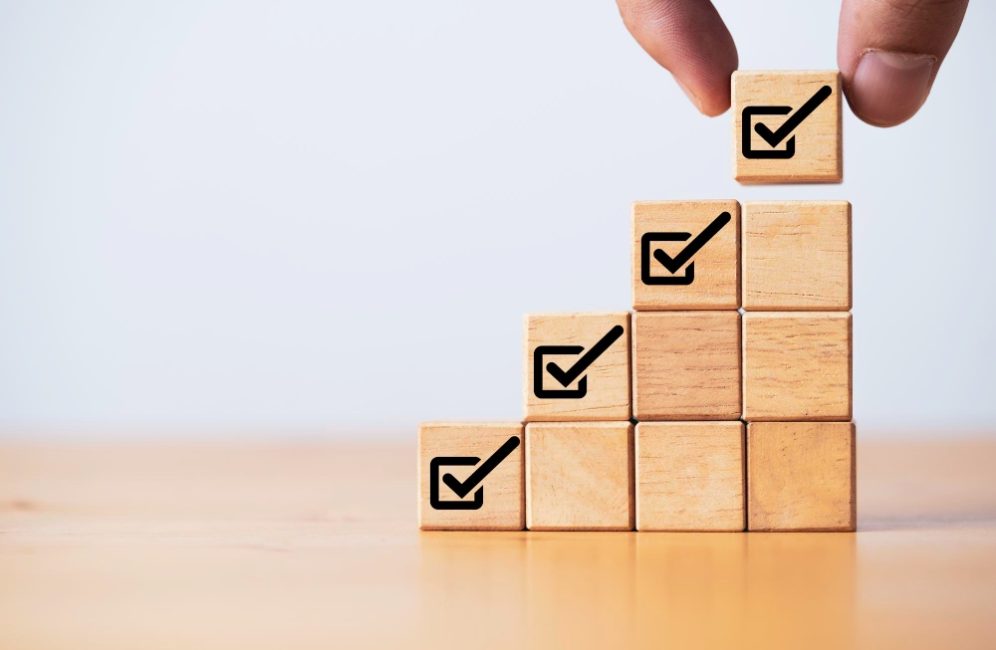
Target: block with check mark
{"type": "Point", "coordinates": [787, 127]}
{"type": "Point", "coordinates": [470, 476]}
{"type": "Point", "coordinates": [686, 255]}
{"type": "Point", "coordinates": [577, 367]}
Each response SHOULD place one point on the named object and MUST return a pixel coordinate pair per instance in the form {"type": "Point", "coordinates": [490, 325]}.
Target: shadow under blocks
{"type": "Point", "coordinates": [722, 402]}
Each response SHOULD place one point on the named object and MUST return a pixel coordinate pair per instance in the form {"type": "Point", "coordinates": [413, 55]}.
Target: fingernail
{"type": "Point", "coordinates": [890, 87]}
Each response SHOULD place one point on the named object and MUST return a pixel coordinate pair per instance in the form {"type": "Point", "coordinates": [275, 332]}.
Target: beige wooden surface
{"type": "Point", "coordinates": [280, 545]}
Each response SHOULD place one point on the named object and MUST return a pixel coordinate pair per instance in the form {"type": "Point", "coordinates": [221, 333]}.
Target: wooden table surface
{"type": "Point", "coordinates": [308, 545]}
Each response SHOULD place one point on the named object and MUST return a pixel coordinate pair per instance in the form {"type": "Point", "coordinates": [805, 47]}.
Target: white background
{"type": "Point", "coordinates": [329, 217]}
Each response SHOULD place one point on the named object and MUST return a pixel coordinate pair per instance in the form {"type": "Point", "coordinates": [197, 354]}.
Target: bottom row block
{"type": "Point", "coordinates": [690, 476]}
{"type": "Point", "coordinates": [801, 476]}
{"type": "Point", "coordinates": [579, 476]}
{"type": "Point", "coordinates": [665, 476]}
{"type": "Point", "coordinates": [470, 476]}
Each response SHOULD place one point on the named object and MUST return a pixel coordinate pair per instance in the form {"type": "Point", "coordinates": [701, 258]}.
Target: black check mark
{"type": "Point", "coordinates": [672, 264]}
{"type": "Point", "coordinates": [575, 371]}
{"type": "Point", "coordinates": [794, 120]}
{"type": "Point", "coordinates": [463, 488]}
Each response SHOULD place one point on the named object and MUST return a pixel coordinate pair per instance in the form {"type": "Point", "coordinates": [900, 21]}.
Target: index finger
{"type": "Point", "coordinates": [689, 38]}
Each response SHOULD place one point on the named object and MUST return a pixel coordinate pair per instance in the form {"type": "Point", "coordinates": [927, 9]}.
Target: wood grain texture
{"type": "Point", "coordinates": [686, 365]}
{"type": "Point", "coordinates": [607, 378]}
{"type": "Point", "coordinates": [797, 256]}
{"type": "Point", "coordinates": [801, 476]}
{"type": "Point", "coordinates": [579, 476]}
{"type": "Point", "coordinates": [818, 154]}
{"type": "Point", "coordinates": [503, 489]}
{"type": "Point", "coordinates": [715, 268]}
{"type": "Point", "coordinates": [252, 542]}
{"type": "Point", "coordinates": [690, 476]}
{"type": "Point", "coordinates": [797, 366]}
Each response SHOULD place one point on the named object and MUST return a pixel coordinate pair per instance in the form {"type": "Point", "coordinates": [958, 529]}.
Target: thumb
{"type": "Point", "coordinates": [889, 51]}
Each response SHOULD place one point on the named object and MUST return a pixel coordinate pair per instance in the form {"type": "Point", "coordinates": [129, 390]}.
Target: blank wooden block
{"type": "Point", "coordinates": [686, 365]}
{"type": "Point", "coordinates": [787, 127]}
{"type": "Point", "coordinates": [797, 366]}
{"type": "Point", "coordinates": [797, 256]}
{"type": "Point", "coordinates": [690, 476]}
{"type": "Point", "coordinates": [579, 476]}
{"type": "Point", "coordinates": [686, 255]}
{"type": "Point", "coordinates": [483, 463]}
{"type": "Point", "coordinates": [577, 367]}
{"type": "Point", "coordinates": [800, 476]}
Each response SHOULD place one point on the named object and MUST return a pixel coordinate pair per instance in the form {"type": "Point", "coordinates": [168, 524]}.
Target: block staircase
{"type": "Point", "coordinates": [723, 401]}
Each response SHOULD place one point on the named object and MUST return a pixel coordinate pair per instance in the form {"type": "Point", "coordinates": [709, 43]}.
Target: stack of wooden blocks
{"type": "Point", "coordinates": [723, 402]}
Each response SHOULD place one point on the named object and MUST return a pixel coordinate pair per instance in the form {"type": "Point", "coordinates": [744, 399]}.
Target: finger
{"type": "Point", "coordinates": [889, 51]}
{"type": "Point", "coordinates": [690, 39]}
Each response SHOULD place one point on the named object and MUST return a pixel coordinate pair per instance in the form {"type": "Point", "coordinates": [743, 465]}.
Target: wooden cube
{"type": "Point", "coordinates": [797, 366]}
{"type": "Point", "coordinates": [470, 476]}
{"type": "Point", "coordinates": [686, 255]}
{"type": "Point", "coordinates": [579, 476]}
{"type": "Point", "coordinates": [690, 476]}
{"type": "Point", "coordinates": [686, 365]}
{"type": "Point", "coordinates": [801, 476]}
{"type": "Point", "coordinates": [797, 256]}
{"type": "Point", "coordinates": [787, 127]}
{"type": "Point", "coordinates": [577, 367]}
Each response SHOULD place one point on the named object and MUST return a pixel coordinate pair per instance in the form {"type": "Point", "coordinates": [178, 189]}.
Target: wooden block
{"type": "Point", "coordinates": [797, 256]}
{"type": "Point", "coordinates": [686, 255]}
{"type": "Point", "coordinates": [579, 476]}
{"type": "Point", "coordinates": [470, 476]}
{"type": "Point", "coordinates": [787, 127]}
{"type": "Point", "coordinates": [797, 366]}
{"type": "Point", "coordinates": [690, 476]}
{"type": "Point", "coordinates": [577, 367]}
{"type": "Point", "coordinates": [686, 365]}
{"type": "Point", "coordinates": [800, 476]}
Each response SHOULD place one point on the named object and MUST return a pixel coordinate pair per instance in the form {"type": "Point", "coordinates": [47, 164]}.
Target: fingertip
{"type": "Point", "coordinates": [710, 100]}
{"type": "Point", "coordinates": [888, 88]}
{"type": "Point", "coordinates": [715, 108]}
{"type": "Point", "coordinates": [689, 38]}
{"type": "Point", "coordinates": [717, 104]}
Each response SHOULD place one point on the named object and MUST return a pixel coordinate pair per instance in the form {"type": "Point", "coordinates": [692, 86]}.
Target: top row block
{"type": "Point", "coordinates": [787, 127]}
{"type": "Point", "coordinates": [775, 256]}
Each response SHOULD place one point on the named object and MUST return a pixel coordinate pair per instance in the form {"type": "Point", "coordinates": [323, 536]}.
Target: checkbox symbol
{"type": "Point", "coordinates": [567, 377]}
{"type": "Point", "coordinates": [470, 484]}
{"type": "Point", "coordinates": [674, 264]}
{"type": "Point", "coordinates": [774, 138]}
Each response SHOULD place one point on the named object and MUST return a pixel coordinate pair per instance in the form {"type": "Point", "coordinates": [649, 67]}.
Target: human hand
{"type": "Point", "coordinates": [888, 51]}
